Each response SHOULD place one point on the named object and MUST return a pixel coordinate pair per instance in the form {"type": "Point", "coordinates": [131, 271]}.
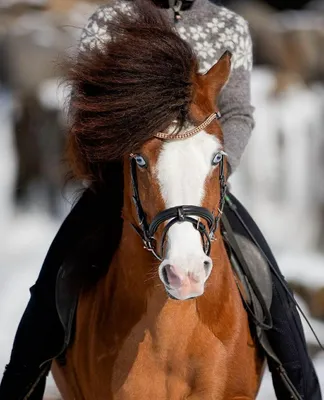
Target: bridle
{"type": "Point", "coordinates": [179, 214]}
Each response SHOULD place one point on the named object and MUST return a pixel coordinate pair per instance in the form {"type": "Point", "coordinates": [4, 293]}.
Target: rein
{"type": "Point", "coordinates": [178, 214]}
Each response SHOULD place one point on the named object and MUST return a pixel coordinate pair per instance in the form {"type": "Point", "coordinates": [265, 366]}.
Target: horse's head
{"type": "Point", "coordinates": [178, 187]}
{"type": "Point", "coordinates": [141, 96]}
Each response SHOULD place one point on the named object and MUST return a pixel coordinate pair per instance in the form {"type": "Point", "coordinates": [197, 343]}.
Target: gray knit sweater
{"type": "Point", "coordinates": [210, 30]}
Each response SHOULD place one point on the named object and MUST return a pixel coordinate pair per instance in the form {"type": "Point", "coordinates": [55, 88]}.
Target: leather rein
{"type": "Point", "coordinates": [178, 214]}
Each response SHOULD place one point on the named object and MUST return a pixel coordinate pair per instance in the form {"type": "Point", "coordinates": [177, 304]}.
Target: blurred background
{"type": "Point", "coordinates": [280, 179]}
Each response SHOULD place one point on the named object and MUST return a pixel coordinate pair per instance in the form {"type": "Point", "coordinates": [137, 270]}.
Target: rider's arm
{"type": "Point", "coordinates": [235, 100]}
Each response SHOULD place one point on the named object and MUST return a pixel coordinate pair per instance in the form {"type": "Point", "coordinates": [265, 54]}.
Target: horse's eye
{"type": "Point", "coordinates": [140, 161]}
{"type": "Point", "coordinates": [217, 158]}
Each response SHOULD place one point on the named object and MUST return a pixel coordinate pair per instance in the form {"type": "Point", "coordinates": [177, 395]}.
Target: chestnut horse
{"type": "Point", "coordinates": [167, 320]}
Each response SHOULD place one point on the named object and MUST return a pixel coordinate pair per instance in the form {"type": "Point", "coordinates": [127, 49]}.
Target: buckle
{"type": "Point", "coordinates": [180, 213]}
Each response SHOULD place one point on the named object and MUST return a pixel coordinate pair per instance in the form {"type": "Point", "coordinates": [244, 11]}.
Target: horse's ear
{"type": "Point", "coordinates": [218, 75]}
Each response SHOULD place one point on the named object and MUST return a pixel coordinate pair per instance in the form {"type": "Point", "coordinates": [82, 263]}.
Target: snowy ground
{"type": "Point", "coordinates": [26, 236]}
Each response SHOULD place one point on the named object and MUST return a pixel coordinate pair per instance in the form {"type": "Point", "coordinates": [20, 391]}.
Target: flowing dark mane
{"type": "Point", "coordinates": [136, 85]}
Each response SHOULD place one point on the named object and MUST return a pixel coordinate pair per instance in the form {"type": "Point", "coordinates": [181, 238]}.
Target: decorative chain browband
{"type": "Point", "coordinates": [190, 132]}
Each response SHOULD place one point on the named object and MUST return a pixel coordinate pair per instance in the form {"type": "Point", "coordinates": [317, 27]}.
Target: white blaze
{"type": "Point", "coordinates": [182, 169]}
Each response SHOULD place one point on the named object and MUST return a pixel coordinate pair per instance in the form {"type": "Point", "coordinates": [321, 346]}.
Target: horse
{"type": "Point", "coordinates": [166, 320]}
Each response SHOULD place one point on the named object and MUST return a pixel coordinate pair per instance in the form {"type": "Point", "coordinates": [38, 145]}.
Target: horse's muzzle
{"type": "Point", "coordinates": [182, 284]}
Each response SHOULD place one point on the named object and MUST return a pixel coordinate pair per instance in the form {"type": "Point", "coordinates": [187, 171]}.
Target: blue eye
{"type": "Point", "coordinates": [217, 158]}
{"type": "Point", "coordinates": [140, 161]}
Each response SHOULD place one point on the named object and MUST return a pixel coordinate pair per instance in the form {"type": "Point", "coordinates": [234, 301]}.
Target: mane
{"type": "Point", "coordinates": [136, 84]}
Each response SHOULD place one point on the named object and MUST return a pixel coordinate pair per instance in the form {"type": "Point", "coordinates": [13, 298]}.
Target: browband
{"type": "Point", "coordinates": [190, 132]}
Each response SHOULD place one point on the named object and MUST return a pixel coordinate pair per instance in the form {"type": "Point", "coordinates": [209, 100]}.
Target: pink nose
{"type": "Point", "coordinates": [184, 284]}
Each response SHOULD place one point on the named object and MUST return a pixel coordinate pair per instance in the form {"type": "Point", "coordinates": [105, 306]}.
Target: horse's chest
{"type": "Point", "coordinates": [165, 353]}
{"type": "Point", "coordinates": [173, 360]}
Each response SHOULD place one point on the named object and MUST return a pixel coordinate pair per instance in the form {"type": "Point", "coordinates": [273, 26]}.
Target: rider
{"type": "Point", "coordinates": [90, 233]}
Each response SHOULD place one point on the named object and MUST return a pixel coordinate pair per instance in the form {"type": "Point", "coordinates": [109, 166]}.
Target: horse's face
{"type": "Point", "coordinates": [182, 173]}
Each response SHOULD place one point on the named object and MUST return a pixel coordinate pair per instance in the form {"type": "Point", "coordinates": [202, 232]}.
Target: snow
{"type": "Point", "coordinates": [305, 267]}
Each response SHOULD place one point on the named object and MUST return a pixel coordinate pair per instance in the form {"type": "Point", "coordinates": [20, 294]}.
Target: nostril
{"type": "Point", "coordinates": [171, 276]}
{"type": "Point", "coordinates": [165, 274]}
{"type": "Point", "coordinates": [207, 267]}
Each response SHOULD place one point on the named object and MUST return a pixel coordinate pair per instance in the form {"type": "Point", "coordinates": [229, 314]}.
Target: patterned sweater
{"type": "Point", "coordinates": [210, 30]}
